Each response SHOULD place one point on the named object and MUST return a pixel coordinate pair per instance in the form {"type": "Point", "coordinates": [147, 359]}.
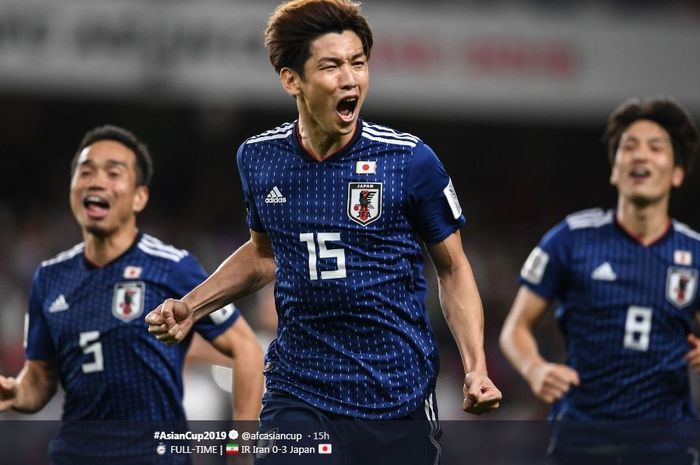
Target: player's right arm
{"type": "Point", "coordinates": [548, 381]}
{"type": "Point", "coordinates": [32, 389]}
{"type": "Point", "coordinates": [245, 271]}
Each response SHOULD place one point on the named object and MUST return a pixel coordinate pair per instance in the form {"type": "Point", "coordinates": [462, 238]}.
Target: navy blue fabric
{"type": "Point", "coordinates": [624, 314]}
{"type": "Point", "coordinates": [91, 322]}
{"type": "Point", "coordinates": [411, 439]}
{"type": "Point", "coordinates": [353, 336]}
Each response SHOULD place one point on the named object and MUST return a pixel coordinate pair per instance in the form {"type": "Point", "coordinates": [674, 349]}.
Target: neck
{"type": "Point", "coordinates": [647, 223]}
{"type": "Point", "coordinates": [319, 143]}
{"type": "Point", "coordinates": [100, 250]}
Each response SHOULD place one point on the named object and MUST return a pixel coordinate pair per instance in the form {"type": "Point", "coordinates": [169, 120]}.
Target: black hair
{"type": "Point", "coordinates": [665, 112]}
{"type": "Point", "coordinates": [144, 162]}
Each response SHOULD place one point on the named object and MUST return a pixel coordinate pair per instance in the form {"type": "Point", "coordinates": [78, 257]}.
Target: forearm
{"type": "Point", "coordinates": [461, 306]}
{"type": "Point", "coordinates": [241, 274]}
{"type": "Point", "coordinates": [248, 384]}
{"type": "Point", "coordinates": [520, 347]}
{"type": "Point", "coordinates": [36, 385]}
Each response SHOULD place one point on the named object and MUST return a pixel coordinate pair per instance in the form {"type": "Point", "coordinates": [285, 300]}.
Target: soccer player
{"type": "Point", "coordinates": [625, 281]}
{"type": "Point", "coordinates": [85, 327]}
{"type": "Point", "coordinates": [337, 209]}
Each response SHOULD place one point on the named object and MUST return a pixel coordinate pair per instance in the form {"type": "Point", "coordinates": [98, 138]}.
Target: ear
{"type": "Point", "coordinates": [291, 82]}
{"type": "Point", "coordinates": [140, 198]}
{"type": "Point", "coordinates": [677, 176]}
{"type": "Point", "coordinates": [614, 175]}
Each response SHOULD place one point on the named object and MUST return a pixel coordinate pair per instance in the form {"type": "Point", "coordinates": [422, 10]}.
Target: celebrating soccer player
{"type": "Point", "coordinates": [338, 208]}
{"type": "Point", "coordinates": [625, 281]}
{"type": "Point", "coordinates": [85, 327]}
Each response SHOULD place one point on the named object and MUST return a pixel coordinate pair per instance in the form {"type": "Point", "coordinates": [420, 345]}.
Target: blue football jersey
{"type": "Point", "coordinates": [90, 320]}
{"type": "Point", "coordinates": [625, 311]}
{"type": "Point", "coordinates": [353, 336]}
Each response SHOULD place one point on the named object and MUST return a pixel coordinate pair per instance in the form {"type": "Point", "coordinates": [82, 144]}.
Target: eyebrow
{"type": "Point", "coordinates": [109, 163]}
{"type": "Point", "coordinates": [650, 139]}
{"type": "Point", "coordinates": [340, 60]}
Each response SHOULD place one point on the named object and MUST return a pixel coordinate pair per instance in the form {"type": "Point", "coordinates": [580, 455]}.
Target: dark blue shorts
{"type": "Point", "coordinates": [624, 442]}
{"type": "Point", "coordinates": [294, 432]}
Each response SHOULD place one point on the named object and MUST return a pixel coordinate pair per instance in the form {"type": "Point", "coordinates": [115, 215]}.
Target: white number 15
{"type": "Point", "coordinates": [324, 253]}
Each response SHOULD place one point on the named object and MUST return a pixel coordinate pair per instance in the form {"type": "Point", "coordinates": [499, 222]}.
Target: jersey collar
{"type": "Point", "coordinates": [91, 266]}
{"type": "Point", "coordinates": [636, 239]}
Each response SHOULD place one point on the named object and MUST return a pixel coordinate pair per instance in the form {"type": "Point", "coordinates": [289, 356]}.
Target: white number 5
{"type": "Point", "coordinates": [89, 346]}
{"type": "Point", "coordinates": [638, 328]}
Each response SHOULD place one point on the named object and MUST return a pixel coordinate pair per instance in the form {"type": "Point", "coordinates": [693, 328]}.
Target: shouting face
{"type": "Point", "coordinates": [104, 195]}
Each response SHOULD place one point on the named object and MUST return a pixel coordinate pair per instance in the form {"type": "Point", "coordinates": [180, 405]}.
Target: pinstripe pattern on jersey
{"type": "Point", "coordinates": [359, 345]}
{"type": "Point", "coordinates": [137, 377]}
{"type": "Point", "coordinates": [624, 335]}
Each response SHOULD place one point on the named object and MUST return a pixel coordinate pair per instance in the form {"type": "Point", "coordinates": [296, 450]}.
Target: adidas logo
{"type": "Point", "coordinates": [604, 272]}
{"type": "Point", "coordinates": [275, 196]}
{"type": "Point", "coordinates": [58, 305]}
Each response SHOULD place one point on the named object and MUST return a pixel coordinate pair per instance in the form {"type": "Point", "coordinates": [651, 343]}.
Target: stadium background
{"type": "Point", "coordinates": [512, 95]}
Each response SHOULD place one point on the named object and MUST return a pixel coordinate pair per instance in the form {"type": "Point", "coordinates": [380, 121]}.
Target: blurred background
{"type": "Point", "coordinates": [512, 95]}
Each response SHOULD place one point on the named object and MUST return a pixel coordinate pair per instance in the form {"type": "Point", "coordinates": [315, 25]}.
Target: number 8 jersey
{"type": "Point", "coordinates": [353, 336]}
{"type": "Point", "coordinates": [625, 311]}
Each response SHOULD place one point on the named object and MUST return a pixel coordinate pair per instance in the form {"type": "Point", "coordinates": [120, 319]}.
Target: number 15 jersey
{"type": "Point", "coordinates": [353, 336]}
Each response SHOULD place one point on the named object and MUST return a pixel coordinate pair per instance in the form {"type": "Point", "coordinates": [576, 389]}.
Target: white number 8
{"type": "Point", "coordinates": [638, 328]}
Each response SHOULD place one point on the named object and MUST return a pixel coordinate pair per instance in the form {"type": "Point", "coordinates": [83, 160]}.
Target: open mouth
{"type": "Point", "coordinates": [346, 107]}
{"type": "Point", "coordinates": [640, 174]}
{"type": "Point", "coordinates": [96, 206]}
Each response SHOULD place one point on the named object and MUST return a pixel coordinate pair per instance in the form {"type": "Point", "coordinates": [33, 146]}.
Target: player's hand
{"type": "Point", "coordinates": [171, 321]}
{"type": "Point", "coordinates": [693, 355]}
{"type": "Point", "coordinates": [550, 381]}
{"type": "Point", "coordinates": [480, 394]}
{"type": "Point", "coordinates": [8, 392]}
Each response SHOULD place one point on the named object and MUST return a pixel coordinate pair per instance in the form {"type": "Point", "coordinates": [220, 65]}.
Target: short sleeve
{"type": "Point", "coordinates": [252, 217]}
{"type": "Point", "coordinates": [434, 209]}
{"type": "Point", "coordinates": [544, 270]}
{"type": "Point", "coordinates": [186, 275]}
{"type": "Point", "coordinates": [38, 342]}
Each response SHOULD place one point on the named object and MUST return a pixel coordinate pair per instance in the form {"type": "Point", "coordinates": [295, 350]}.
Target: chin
{"type": "Point", "coordinates": [641, 200]}
{"type": "Point", "coordinates": [347, 127]}
{"type": "Point", "coordinates": [98, 231]}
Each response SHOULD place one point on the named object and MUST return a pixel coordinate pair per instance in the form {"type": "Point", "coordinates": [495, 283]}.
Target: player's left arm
{"type": "Point", "coordinates": [461, 305]}
{"type": "Point", "coordinates": [693, 354]}
{"type": "Point", "coordinates": [240, 344]}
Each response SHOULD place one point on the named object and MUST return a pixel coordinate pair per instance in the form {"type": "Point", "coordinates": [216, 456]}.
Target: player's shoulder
{"type": "Point", "coordinates": [281, 132]}
{"type": "Point", "coordinates": [156, 249]}
{"type": "Point", "coordinates": [64, 258]}
{"type": "Point", "coordinates": [685, 230]}
{"type": "Point", "coordinates": [576, 223]}
{"type": "Point", "coordinates": [386, 135]}
{"type": "Point", "coordinates": [588, 219]}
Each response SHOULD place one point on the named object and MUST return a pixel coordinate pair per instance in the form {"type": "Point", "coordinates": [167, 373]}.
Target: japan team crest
{"type": "Point", "coordinates": [128, 300]}
{"type": "Point", "coordinates": [681, 286]}
{"type": "Point", "coordinates": [364, 202]}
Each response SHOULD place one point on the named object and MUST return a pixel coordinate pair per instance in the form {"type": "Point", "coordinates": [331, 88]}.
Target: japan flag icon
{"type": "Point", "coordinates": [366, 167]}
{"type": "Point", "coordinates": [325, 448]}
